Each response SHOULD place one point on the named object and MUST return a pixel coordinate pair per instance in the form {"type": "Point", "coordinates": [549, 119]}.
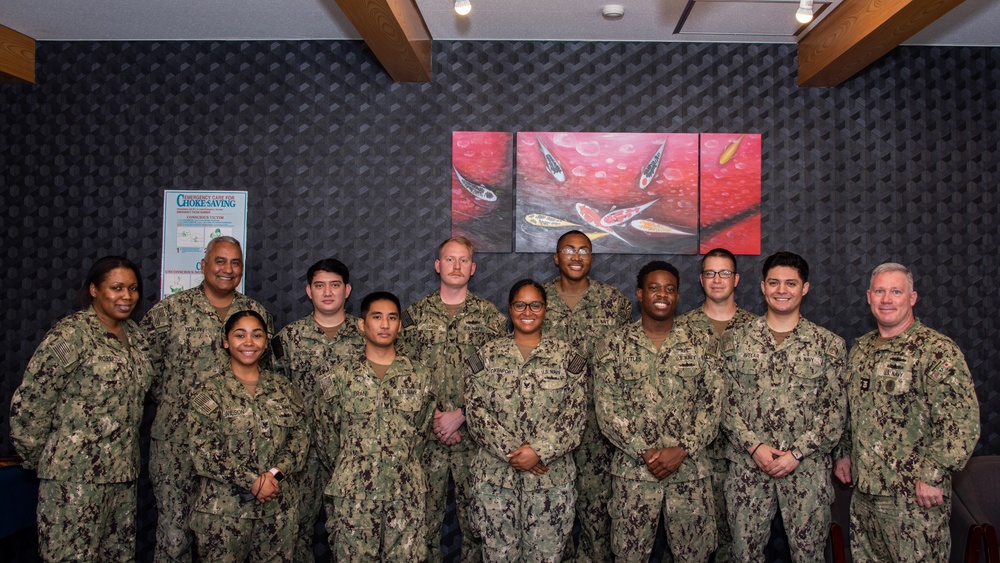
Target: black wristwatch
{"type": "Point", "coordinates": [278, 475]}
{"type": "Point", "coordinates": [797, 454]}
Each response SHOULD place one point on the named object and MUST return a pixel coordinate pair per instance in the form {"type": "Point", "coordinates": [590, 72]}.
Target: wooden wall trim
{"type": "Point", "coordinates": [17, 57]}
{"type": "Point", "coordinates": [395, 31]}
{"type": "Point", "coordinates": [858, 32]}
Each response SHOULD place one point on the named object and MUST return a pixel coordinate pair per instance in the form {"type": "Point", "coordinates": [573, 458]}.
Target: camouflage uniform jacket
{"type": "Point", "coordinates": [602, 309]}
{"type": "Point", "coordinates": [914, 412]}
{"type": "Point", "coordinates": [185, 336]}
{"type": "Point", "coordinates": [441, 342]}
{"type": "Point", "coordinates": [648, 398]}
{"type": "Point", "coordinates": [235, 437]}
{"type": "Point", "coordinates": [511, 402]}
{"type": "Point", "coordinates": [701, 331]}
{"type": "Point", "coordinates": [788, 395]}
{"type": "Point", "coordinates": [301, 352]}
{"type": "Point", "coordinates": [76, 415]}
{"type": "Point", "coordinates": [370, 432]}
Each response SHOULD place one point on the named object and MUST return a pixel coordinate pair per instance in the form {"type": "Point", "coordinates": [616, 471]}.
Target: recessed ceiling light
{"type": "Point", "coordinates": [463, 7]}
{"type": "Point", "coordinates": [613, 11]}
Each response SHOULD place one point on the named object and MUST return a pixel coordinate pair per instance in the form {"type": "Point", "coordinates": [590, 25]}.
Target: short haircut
{"type": "Point", "coordinates": [366, 303]}
{"type": "Point", "coordinates": [887, 267]}
{"type": "Point", "coordinates": [787, 259]}
{"type": "Point", "coordinates": [719, 253]}
{"type": "Point", "coordinates": [460, 240]}
{"type": "Point", "coordinates": [559, 242]}
{"type": "Point", "coordinates": [524, 283]}
{"type": "Point", "coordinates": [235, 317]}
{"type": "Point", "coordinates": [331, 265]}
{"type": "Point", "coordinates": [220, 240]}
{"type": "Point", "coordinates": [99, 272]}
{"type": "Point", "coordinates": [655, 266]}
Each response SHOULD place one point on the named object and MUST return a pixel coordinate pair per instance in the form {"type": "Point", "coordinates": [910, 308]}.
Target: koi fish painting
{"type": "Point", "coordinates": [482, 189]}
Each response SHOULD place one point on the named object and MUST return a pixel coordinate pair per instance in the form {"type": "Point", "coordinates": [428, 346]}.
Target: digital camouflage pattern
{"type": "Point", "coordinates": [365, 530]}
{"type": "Point", "coordinates": [914, 416]}
{"type": "Point", "coordinates": [701, 331]}
{"type": "Point", "coordinates": [76, 415]}
{"type": "Point", "coordinates": [441, 343]}
{"type": "Point", "coordinates": [75, 420]}
{"type": "Point", "coordinates": [894, 528]}
{"type": "Point", "coordinates": [370, 434]}
{"type": "Point", "coordinates": [86, 521]}
{"type": "Point", "coordinates": [688, 518]}
{"type": "Point", "coordinates": [224, 539]}
{"type": "Point", "coordinates": [602, 310]}
{"type": "Point", "coordinates": [511, 402]}
{"type": "Point", "coordinates": [648, 398]}
{"type": "Point", "coordinates": [185, 334]}
{"type": "Point", "coordinates": [787, 396]}
{"type": "Point", "coordinates": [234, 438]}
{"type": "Point", "coordinates": [302, 352]}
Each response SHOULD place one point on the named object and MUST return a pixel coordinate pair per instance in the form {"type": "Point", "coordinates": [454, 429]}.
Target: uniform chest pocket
{"type": "Point", "coordinates": [237, 422]}
{"type": "Point", "coordinates": [407, 400]}
{"type": "Point", "coordinates": [476, 336]}
{"type": "Point", "coordinates": [894, 382]}
{"type": "Point", "coordinates": [552, 384]}
{"type": "Point", "coordinates": [807, 368]}
{"type": "Point", "coordinates": [500, 379]}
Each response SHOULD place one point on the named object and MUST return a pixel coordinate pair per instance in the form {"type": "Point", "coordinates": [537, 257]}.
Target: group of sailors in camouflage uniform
{"type": "Point", "coordinates": [710, 422]}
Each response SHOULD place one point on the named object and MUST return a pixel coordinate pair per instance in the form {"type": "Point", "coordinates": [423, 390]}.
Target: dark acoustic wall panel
{"type": "Point", "coordinates": [898, 163]}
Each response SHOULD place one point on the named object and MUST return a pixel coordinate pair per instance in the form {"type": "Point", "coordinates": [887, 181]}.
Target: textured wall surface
{"type": "Point", "coordinates": [899, 163]}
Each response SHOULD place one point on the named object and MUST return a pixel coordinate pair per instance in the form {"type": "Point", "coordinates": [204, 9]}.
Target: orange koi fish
{"type": "Point", "coordinates": [656, 228]}
{"type": "Point", "coordinates": [593, 218]}
{"type": "Point", "coordinates": [618, 217]}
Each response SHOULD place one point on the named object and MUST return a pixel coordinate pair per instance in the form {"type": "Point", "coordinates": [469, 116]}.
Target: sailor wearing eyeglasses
{"type": "Point", "coordinates": [658, 395]}
{"type": "Point", "coordinates": [525, 407]}
{"type": "Point", "coordinates": [719, 278]}
{"type": "Point", "coordinates": [584, 312]}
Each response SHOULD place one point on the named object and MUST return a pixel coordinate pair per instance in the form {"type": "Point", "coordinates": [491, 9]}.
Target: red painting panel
{"type": "Point", "coordinates": [631, 193]}
{"type": "Point", "coordinates": [730, 192]}
{"type": "Point", "coordinates": [482, 191]}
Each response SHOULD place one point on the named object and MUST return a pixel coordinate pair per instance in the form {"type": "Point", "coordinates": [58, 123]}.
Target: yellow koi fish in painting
{"type": "Point", "coordinates": [730, 151]}
{"type": "Point", "coordinates": [656, 228]}
{"type": "Point", "coordinates": [542, 220]}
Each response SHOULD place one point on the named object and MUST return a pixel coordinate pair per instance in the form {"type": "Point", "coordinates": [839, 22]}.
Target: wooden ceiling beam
{"type": "Point", "coordinates": [395, 31]}
{"type": "Point", "coordinates": [859, 32]}
{"type": "Point", "coordinates": [17, 57]}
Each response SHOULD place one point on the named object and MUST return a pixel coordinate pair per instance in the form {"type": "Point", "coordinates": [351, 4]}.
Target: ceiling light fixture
{"type": "Point", "coordinates": [613, 11]}
{"type": "Point", "coordinates": [805, 12]}
{"type": "Point", "coordinates": [463, 7]}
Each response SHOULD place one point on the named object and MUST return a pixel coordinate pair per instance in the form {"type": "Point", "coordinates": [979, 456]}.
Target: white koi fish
{"type": "Point", "coordinates": [478, 191]}
{"type": "Point", "coordinates": [551, 164]}
{"type": "Point", "coordinates": [649, 171]}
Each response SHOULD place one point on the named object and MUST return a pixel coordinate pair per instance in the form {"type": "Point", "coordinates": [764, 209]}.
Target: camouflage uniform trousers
{"type": "Point", "coordinates": [86, 521]}
{"type": "Point", "coordinates": [688, 517]}
{"type": "Point", "coordinates": [224, 539]}
{"type": "Point", "coordinates": [519, 525]}
{"type": "Point", "coordinates": [438, 460]}
{"type": "Point", "coordinates": [720, 470]}
{"type": "Point", "coordinates": [175, 486]}
{"type": "Point", "coordinates": [313, 480]}
{"type": "Point", "coordinates": [365, 530]}
{"type": "Point", "coordinates": [593, 489]}
{"type": "Point", "coordinates": [893, 528]}
{"type": "Point", "coordinates": [803, 497]}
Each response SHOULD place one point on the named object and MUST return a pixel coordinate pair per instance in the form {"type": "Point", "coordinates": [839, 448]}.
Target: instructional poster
{"type": "Point", "coordinates": [190, 220]}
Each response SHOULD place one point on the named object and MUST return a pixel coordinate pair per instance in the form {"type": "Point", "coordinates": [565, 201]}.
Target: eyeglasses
{"type": "Point", "coordinates": [724, 274]}
{"type": "Point", "coordinates": [535, 306]}
{"type": "Point", "coordinates": [570, 251]}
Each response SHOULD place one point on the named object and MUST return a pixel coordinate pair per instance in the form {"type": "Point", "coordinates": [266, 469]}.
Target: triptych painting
{"type": "Point", "coordinates": [631, 193]}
